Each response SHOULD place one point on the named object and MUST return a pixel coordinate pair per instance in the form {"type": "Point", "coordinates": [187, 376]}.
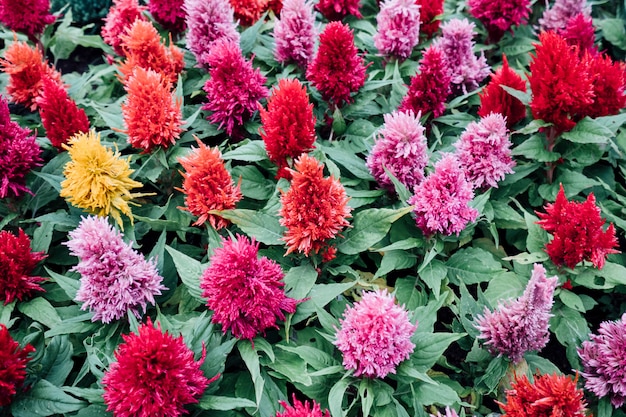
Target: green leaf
{"type": "Point", "coordinates": [588, 131]}
{"type": "Point", "coordinates": [320, 295]}
{"type": "Point", "coordinates": [472, 266]}
{"type": "Point", "coordinates": [534, 148]}
{"type": "Point", "coordinates": [429, 347]}
{"type": "Point", "coordinates": [537, 237]}
{"type": "Point", "coordinates": [69, 285]}
{"type": "Point", "coordinates": [263, 227]}
{"type": "Point", "coordinates": [569, 326]}
{"type": "Point", "coordinates": [522, 96]}
{"type": "Point", "coordinates": [189, 270]}
{"type": "Point", "coordinates": [504, 287]}
{"type": "Point", "coordinates": [252, 151]}
{"type": "Point", "coordinates": [40, 309]}
{"type": "Point", "coordinates": [403, 193]}
{"type": "Point", "coordinates": [494, 373]}
{"type": "Point", "coordinates": [369, 227]}
{"type": "Point", "coordinates": [614, 274]}
{"type": "Point", "coordinates": [299, 281]}
{"type": "Point", "coordinates": [572, 300]}
{"type": "Point", "coordinates": [573, 183]}
{"type": "Point", "coordinates": [395, 260]}
{"type": "Point", "coordinates": [251, 359]}
{"type": "Point", "coordinates": [57, 363]}
{"type": "Point", "coordinates": [45, 399]}
{"type": "Point", "coordinates": [428, 394]}
{"type": "Point", "coordinates": [613, 31]}
{"type": "Point", "coordinates": [216, 402]}
{"type": "Point", "coordinates": [526, 258]}
{"type": "Point", "coordinates": [335, 397]}
{"type": "Point", "coordinates": [253, 183]}
{"type": "Point", "coordinates": [352, 163]}
{"type": "Point", "coordinates": [433, 275]}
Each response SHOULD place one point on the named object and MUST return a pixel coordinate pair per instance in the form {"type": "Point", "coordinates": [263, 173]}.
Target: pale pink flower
{"type": "Point", "coordinates": [556, 17]}
{"type": "Point", "coordinates": [295, 33]}
{"type": "Point", "coordinates": [449, 413]}
{"type": "Point", "coordinates": [398, 28]}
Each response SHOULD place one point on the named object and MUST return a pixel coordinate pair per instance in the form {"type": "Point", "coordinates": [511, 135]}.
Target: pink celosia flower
{"type": "Point", "coordinates": [519, 326]}
{"type": "Point", "coordinates": [208, 21]}
{"type": "Point", "coordinates": [430, 11]}
{"type": "Point", "coordinates": [295, 33]}
{"type": "Point", "coordinates": [114, 277]}
{"type": "Point", "coordinates": [493, 98]}
{"type": "Point", "coordinates": [401, 148]}
{"type": "Point", "coordinates": [581, 32]}
{"type": "Point", "coordinates": [19, 154]}
{"type": "Point", "coordinates": [17, 262]}
{"type": "Point", "coordinates": [27, 16]}
{"type": "Point", "coordinates": [375, 335]}
{"type": "Point", "coordinates": [302, 409]}
{"type": "Point", "coordinates": [337, 70]}
{"type": "Point", "coordinates": [398, 28]}
{"type": "Point", "coordinates": [603, 361]}
{"type": "Point", "coordinates": [498, 16]}
{"type": "Point", "coordinates": [456, 44]}
{"type": "Point", "coordinates": [338, 9]}
{"type": "Point", "coordinates": [235, 87]}
{"type": "Point", "coordinates": [120, 18]}
{"type": "Point", "coordinates": [484, 151]}
{"type": "Point", "coordinates": [449, 412]}
{"type": "Point", "coordinates": [13, 360]}
{"type": "Point", "coordinates": [154, 374]}
{"type": "Point", "coordinates": [169, 13]}
{"type": "Point", "coordinates": [441, 200]}
{"type": "Point", "coordinates": [245, 291]}
{"type": "Point", "coordinates": [556, 17]}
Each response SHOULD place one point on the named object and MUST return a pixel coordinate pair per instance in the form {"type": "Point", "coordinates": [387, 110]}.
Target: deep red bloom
{"type": "Point", "coordinates": [577, 232]}
{"type": "Point", "coordinates": [337, 70]}
{"type": "Point", "coordinates": [338, 9]}
{"type": "Point", "coordinates": [288, 124]}
{"type": "Point", "coordinates": [430, 10]}
{"type": "Point", "coordinates": [16, 265]}
{"type": "Point", "coordinates": [493, 98]}
{"type": "Point", "coordinates": [609, 83]}
{"type": "Point", "coordinates": [154, 375]}
{"type": "Point", "coordinates": [498, 16]}
{"type": "Point", "coordinates": [120, 18]}
{"type": "Point", "coordinates": [581, 32]}
{"type": "Point", "coordinates": [276, 6]}
{"type": "Point", "coordinates": [60, 115]}
{"type": "Point", "coordinates": [169, 13]}
{"type": "Point", "coordinates": [27, 16]}
{"type": "Point", "coordinates": [302, 409]}
{"type": "Point", "coordinates": [248, 12]}
{"type": "Point", "coordinates": [13, 361]}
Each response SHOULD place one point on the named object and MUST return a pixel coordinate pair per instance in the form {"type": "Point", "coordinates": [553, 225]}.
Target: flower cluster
{"type": "Point", "coordinates": [498, 16]}
{"type": "Point", "coordinates": [13, 369]}
{"type": "Point", "coordinates": [302, 409]}
{"type": "Point", "coordinates": [248, 11]}
{"type": "Point", "coordinates": [295, 33]}
{"type": "Point", "coordinates": [120, 18]}
{"type": "Point", "coordinates": [169, 13]}
{"type": "Point", "coordinates": [398, 28]}
{"type": "Point", "coordinates": [27, 16]}
{"type": "Point", "coordinates": [556, 17]}
{"type": "Point", "coordinates": [581, 33]}
{"type": "Point", "coordinates": [493, 98]}
{"type": "Point", "coordinates": [338, 9]}
{"type": "Point", "coordinates": [17, 262]}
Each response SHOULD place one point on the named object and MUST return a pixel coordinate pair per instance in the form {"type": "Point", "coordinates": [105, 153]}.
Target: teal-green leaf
{"type": "Point", "coordinates": [262, 226]}
{"type": "Point", "coordinates": [57, 363]}
{"type": "Point", "coordinates": [429, 347]}
{"type": "Point", "coordinates": [252, 151]}
{"type": "Point", "coordinates": [472, 266]}
{"type": "Point", "coordinates": [69, 285]}
{"type": "Point", "coordinates": [320, 295]}
{"type": "Point", "coordinates": [217, 402]}
{"type": "Point", "coordinates": [494, 373]}
{"type": "Point", "coordinates": [45, 399]}
{"type": "Point", "coordinates": [299, 280]}
{"type": "Point", "coordinates": [588, 131]}
{"type": "Point", "coordinates": [40, 309]}
{"type": "Point", "coordinates": [189, 271]}
{"type": "Point", "coordinates": [394, 260]}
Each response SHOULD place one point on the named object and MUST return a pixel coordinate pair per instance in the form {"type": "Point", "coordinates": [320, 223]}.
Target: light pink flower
{"type": "Point", "coordinates": [556, 17]}
{"type": "Point", "coordinates": [398, 28]}
{"type": "Point", "coordinates": [449, 413]}
{"type": "Point", "coordinates": [295, 33]}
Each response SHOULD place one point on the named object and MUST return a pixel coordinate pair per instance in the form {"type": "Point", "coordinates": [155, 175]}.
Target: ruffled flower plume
{"type": "Point", "coordinates": [154, 374]}
{"type": "Point", "coordinates": [17, 263]}
{"type": "Point", "coordinates": [375, 335]}
{"type": "Point", "coordinates": [602, 357]}
{"type": "Point", "coordinates": [248, 12]}
{"type": "Point", "coordinates": [302, 409]}
{"type": "Point", "coordinates": [456, 44]}
{"type": "Point", "coordinates": [14, 360]}
{"type": "Point", "coordinates": [208, 21]}
{"type": "Point", "coordinates": [207, 185]}
{"type": "Point", "coordinates": [235, 86]}
{"type": "Point", "coordinates": [26, 16]}
{"type": "Point", "coordinates": [609, 85]}
{"type": "Point", "coordinates": [288, 124]}
{"type": "Point", "coordinates": [580, 31]}
{"type": "Point", "coordinates": [449, 412]}
{"type": "Point", "coordinates": [430, 87]}
{"type": "Point", "coordinates": [337, 70]}
{"type": "Point", "coordinates": [519, 326]}
{"type": "Point", "coordinates": [245, 291]}
{"type": "Point", "coordinates": [151, 113]}
{"type": "Point", "coordinates": [295, 33]}
{"type": "Point", "coordinates": [60, 115]}
{"type": "Point", "coordinates": [493, 98]}
{"type": "Point", "coordinates": [98, 179]}
{"type": "Point", "coordinates": [500, 15]}
{"type": "Point", "coordinates": [430, 13]}
{"type": "Point", "coordinates": [441, 201]}
{"type": "Point", "coordinates": [484, 151]}
{"type": "Point", "coordinates": [556, 17]}
{"type": "Point", "coordinates": [26, 69]}
{"type": "Point", "coordinates": [398, 28]}
{"type": "Point", "coordinates": [577, 233]}
{"type": "Point", "coordinates": [338, 9]}
{"type": "Point", "coordinates": [314, 210]}
{"type": "Point", "coordinates": [120, 18]}
{"type": "Point", "coordinates": [19, 154]}
{"type": "Point", "coordinates": [115, 278]}
{"type": "Point", "coordinates": [169, 13]}
{"type": "Point", "coordinates": [402, 149]}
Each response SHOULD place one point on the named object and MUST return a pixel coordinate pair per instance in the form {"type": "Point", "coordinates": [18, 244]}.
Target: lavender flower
{"type": "Point", "coordinates": [398, 28]}
{"type": "Point", "coordinates": [556, 17]}
{"type": "Point", "coordinates": [401, 148]}
{"type": "Point", "coordinates": [521, 325]}
{"type": "Point", "coordinates": [295, 33]}
{"type": "Point", "coordinates": [114, 277]}
{"type": "Point", "coordinates": [603, 361]}
{"type": "Point", "coordinates": [484, 151]}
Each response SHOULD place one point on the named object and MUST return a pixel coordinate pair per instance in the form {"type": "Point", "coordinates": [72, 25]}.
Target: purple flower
{"type": "Point", "coordinates": [401, 148]}
{"type": "Point", "coordinates": [521, 325]}
{"type": "Point", "coordinates": [375, 335]}
{"type": "Point", "coordinates": [114, 277]}
{"type": "Point", "coordinates": [449, 413]}
{"type": "Point", "coordinates": [295, 33]}
{"type": "Point", "coordinates": [398, 28]}
{"type": "Point", "coordinates": [484, 151]}
{"type": "Point", "coordinates": [441, 200]}
{"type": "Point", "coordinates": [603, 361]}
{"type": "Point", "coordinates": [556, 17]}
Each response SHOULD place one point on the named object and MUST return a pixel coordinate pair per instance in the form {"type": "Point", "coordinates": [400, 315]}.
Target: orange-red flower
{"type": "Point", "coordinates": [248, 11]}
{"type": "Point", "coordinates": [121, 16]}
{"type": "Point", "coordinates": [493, 98]}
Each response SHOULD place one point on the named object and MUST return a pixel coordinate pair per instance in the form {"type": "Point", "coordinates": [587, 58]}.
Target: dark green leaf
{"type": "Point", "coordinates": [263, 227]}
{"type": "Point", "coordinates": [472, 266]}
{"type": "Point", "coordinates": [429, 347]}
{"type": "Point", "coordinates": [45, 399]}
{"type": "Point", "coordinates": [189, 270]}
{"type": "Point", "coordinates": [369, 227]}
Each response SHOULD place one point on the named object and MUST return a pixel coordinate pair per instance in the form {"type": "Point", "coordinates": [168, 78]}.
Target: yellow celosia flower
{"type": "Point", "coordinates": [97, 179]}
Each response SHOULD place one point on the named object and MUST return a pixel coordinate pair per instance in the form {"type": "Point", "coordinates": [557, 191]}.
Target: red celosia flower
{"type": "Point", "coordinates": [13, 361]}
{"type": "Point", "coordinates": [151, 115]}
{"type": "Point", "coordinates": [430, 10]}
{"type": "Point", "coordinates": [338, 9]}
{"type": "Point", "coordinates": [493, 98]}
{"type": "Point", "coordinates": [16, 265]}
{"type": "Point", "coordinates": [27, 16]}
{"type": "Point", "coordinates": [26, 68]}
{"type": "Point", "coordinates": [609, 83]}
{"type": "Point", "coordinates": [549, 396]}
{"type": "Point", "coordinates": [120, 18]}
{"type": "Point", "coordinates": [60, 115]}
{"type": "Point", "coordinates": [276, 6]}
{"type": "Point", "coordinates": [245, 291]}
{"type": "Point", "coordinates": [498, 16]}
{"type": "Point", "coordinates": [288, 124]}
{"type": "Point", "coordinates": [302, 409]}
{"type": "Point", "coordinates": [581, 32]}
{"type": "Point", "coordinates": [337, 70]}
{"type": "Point", "coordinates": [314, 210]}
{"type": "Point", "coordinates": [169, 13]}
{"type": "Point", "coordinates": [154, 375]}
{"type": "Point", "coordinates": [207, 185]}
{"type": "Point", "coordinates": [248, 11]}
{"type": "Point", "coordinates": [577, 232]}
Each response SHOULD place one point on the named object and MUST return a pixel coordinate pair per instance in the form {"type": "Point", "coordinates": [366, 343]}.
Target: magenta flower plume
{"type": "Point", "coordinates": [169, 13]}
{"type": "Point", "coordinates": [302, 409]}
{"type": "Point", "coordinates": [295, 33]}
{"type": "Point", "coordinates": [245, 291]}
{"type": "Point", "coordinates": [401, 148]}
{"type": "Point", "coordinates": [398, 28]}
{"type": "Point", "coordinates": [120, 18]}
{"type": "Point", "coordinates": [430, 87]}
{"type": "Point", "coordinates": [154, 374]}
{"type": "Point", "coordinates": [338, 9]}
{"type": "Point", "coordinates": [375, 335]}
{"type": "Point", "coordinates": [235, 87]}
{"type": "Point", "coordinates": [17, 262]}
{"type": "Point", "coordinates": [456, 44]}
{"type": "Point", "coordinates": [208, 21]}
{"type": "Point", "coordinates": [580, 31]}
{"type": "Point", "coordinates": [26, 16]}
{"type": "Point", "coordinates": [441, 200]}
{"type": "Point", "coordinates": [114, 277]}
{"type": "Point", "coordinates": [19, 154]}
{"type": "Point", "coordinates": [521, 325]}
{"type": "Point", "coordinates": [603, 361]}
{"type": "Point", "coordinates": [449, 412]}
{"type": "Point", "coordinates": [337, 70]}
{"type": "Point", "coordinates": [484, 151]}
{"type": "Point", "coordinates": [13, 361]}
{"type": "Point", "coordinates": [556, 17]}
{"type": "Point", "coordinates": [500, 15]}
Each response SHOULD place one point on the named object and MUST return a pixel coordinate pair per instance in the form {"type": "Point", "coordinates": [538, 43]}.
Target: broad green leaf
{"type": "Point", "coordinates": [319, 296]}
{"type": "Point", "coordinates": [69, 285]}
{"type": "Point", "coordinates": [428, 394]}
{"type": "Point", "coordinates": [494, 373]}
{"type": "Point", "coordinates": [335, 397]}
{"type": "Point", "coordinates": [433, 275]}
{"type": "Point", "coordinates": [526, 258]}
{"type": "Point", "coordinates": [572, 300]}
{"type": "Point", "coordinates": [5, 313]}
{"type": "Point", "coordinates": [189, 270]}
{"type": "Point", "coordinates": [352, 163]}
{"type": "Point", "coordinates": [472, 266]}
{"type": "Point", "coordinates": [522, 96]}
{"type": "Point", "coordinates": [263, 227]}
{"type": "Point", "coordinates": [45, 399]}
{"type": "Point", "coordinates": [216, 402]}
{"type": "Point", "coordinates": [253, 183]}
{"type": "Point", "coordinates": [534, 148]}
{"type": "Point", "coordinates": [429, 347]}
{"type": "Point", "coordinates": [537, 364]}
{"type": "Point", "coordinates": [588, 131]}
{"type": "Point", "coordinates": [569, 326]}
{"type": "Point", "coordinates": [368, 228]}
{"type": "Point", "coordinates": [573, 183]}
{"type": "Point", "coordinates": [252, 151]}
{"type": "Point", "coordinates": [613, 31]}
{"type": "Point", "coordinates": [405, 244]}
{"type": "Point", "coordinates": [299, 281]}
{"type": "Point", "coordinates": [537, 237]}
{"type": "Point", "coordinates": [251, 359]}
{"type": "Point", "coordinates": [318, 359]}
{"type": "Point", "coordinates": [395, 260]}
{"type": "Point", "coordinates": [404, 194]}
{"type": "Point", "coordinates": [614, 274]}
{"type": "Point", "coordinates": [504, 287]}
{"type": "Point", "coordinates": [57, 363]}
{"type": "Point", "coordinates": [40, 309]}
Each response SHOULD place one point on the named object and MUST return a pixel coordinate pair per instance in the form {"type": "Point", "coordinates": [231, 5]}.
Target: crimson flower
{"type": "Point", "coordinates": [13, 361]}
{"type": "Point", "coordinates": [493, 98]}
{"type": "Point", "coordinates": [27, 16]}
{"type": "Point", "coordinates": [498, 16]}
{"type": "Point", "coordinates": [169, 13]}
{"type": "Point", "coordinates": [120, 18]}
{"type": "Point", "coordinates": [16, 266]}
{"type": "Point", "coordinates": [581, 32]}
{"type": "Point", "coordinates": [248, 12]}
{"type": "Point", "coordinates": [430, 10]}
{"type": "Point", "coordinates": [302, 409]}
{"type": "Point", "coordinates": [609, 85]}
{"type": "Point", "coordinates": [338, 9]}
